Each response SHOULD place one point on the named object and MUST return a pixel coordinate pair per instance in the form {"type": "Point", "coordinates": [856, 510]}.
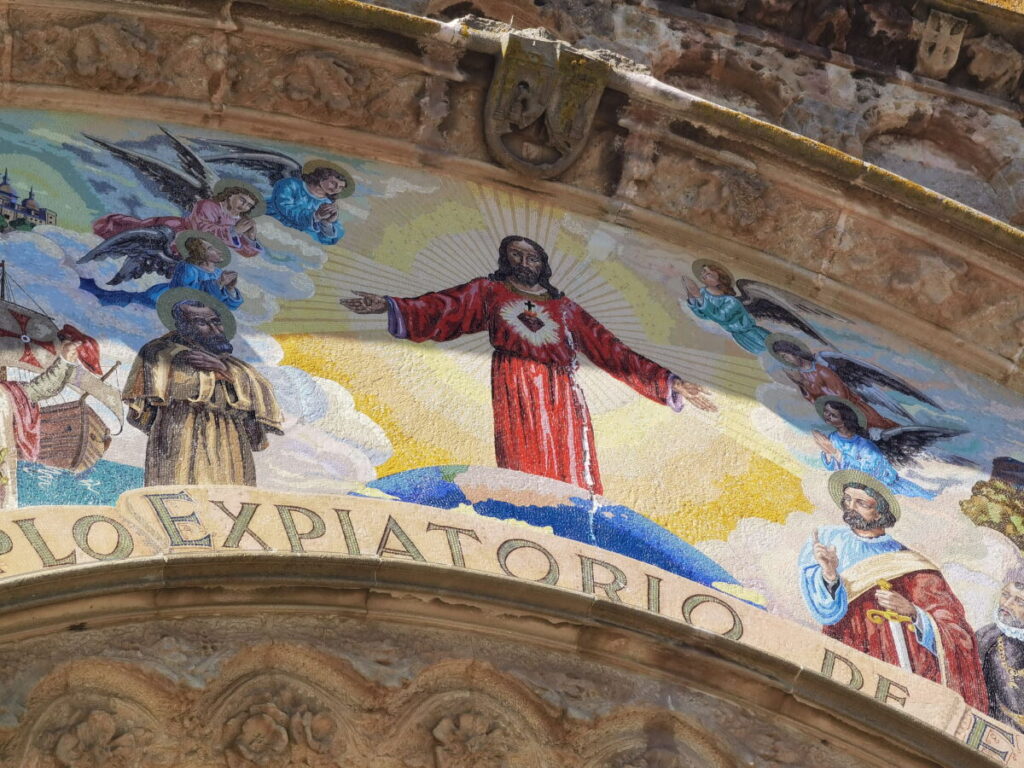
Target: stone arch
{"type": "Point", "coordinates": [653, 739]}
{"type": "Point", "coordinates": [467, 710]}
{"type": "Point", "coordinates": [285, 699]}
{"type": "Point", "coordinates": [958, 166]}
{"type": "Point", "coordinates": [746, 85]}
{"type": "Point", "coordinates": [96, 712]}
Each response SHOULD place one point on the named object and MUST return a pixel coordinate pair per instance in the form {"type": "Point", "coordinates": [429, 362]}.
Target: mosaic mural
{"type": "Point", "coordinates": [184, 307]}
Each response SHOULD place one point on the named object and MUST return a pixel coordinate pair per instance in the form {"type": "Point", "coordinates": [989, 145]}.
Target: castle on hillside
{"type": "Point", "coordinates": [25, 213]}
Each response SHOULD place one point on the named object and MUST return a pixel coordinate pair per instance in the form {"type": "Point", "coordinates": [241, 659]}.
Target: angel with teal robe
{"type": "Point", "coordinates": [734, 305]}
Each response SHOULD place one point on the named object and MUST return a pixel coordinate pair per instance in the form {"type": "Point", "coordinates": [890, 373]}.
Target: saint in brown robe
{"type": "Point", "coordinates": [203, 426]}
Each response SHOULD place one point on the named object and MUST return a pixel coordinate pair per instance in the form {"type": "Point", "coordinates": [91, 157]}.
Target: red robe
{"type": "Point", "coordinates": [957, 664]}
{"type": "Point", "coordinates": [821, 380]}
{"type": "Point", "coordinates": [207, 216]}
{"type": "Point", "coordinates": [27, 418]}
{"type": "Point", "coordinates": [541, 421]}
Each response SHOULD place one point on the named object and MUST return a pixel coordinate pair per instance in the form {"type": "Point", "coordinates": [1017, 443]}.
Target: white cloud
{"type": "Point", "coordinates": [763, 555]}
{"type": "Point", "coordinates": [327, 441]}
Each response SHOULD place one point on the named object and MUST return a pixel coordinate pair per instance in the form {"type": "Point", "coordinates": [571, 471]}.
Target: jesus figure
{"type": "Point", "coordinates": [541, 421]}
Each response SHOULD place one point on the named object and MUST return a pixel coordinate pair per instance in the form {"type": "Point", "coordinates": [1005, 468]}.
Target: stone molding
{"type": "Point", "coordinates": [819, 222]}
{"type": "Point", "coordinates": [300, 699]}
{"type": "Point", "coordinates": [84, 588]}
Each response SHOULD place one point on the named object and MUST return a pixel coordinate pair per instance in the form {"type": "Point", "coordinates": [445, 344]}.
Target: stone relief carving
{"type": "Point", "coordinates": [112, 53]}
{"type": "Point", "coordinates": [541, 105]}
{"type": "Point", "coordinates": [434, 102]}
{"type": "Point", "coordinates": [828, 22]}
{"type": "Point", "coordinates": [98, 740]}
{"type": "Point", "coordinates": [267, 735]}
{"type": "Point", "coordinates": [97, 730]}
{"type": "Point", "coordinates": [995, 64]}
{"type": "Point", "coordinates": [390, 696]}
{"type": "Point", "coordinates": [729, 196]}
{"type": "Point", "coordinates": [470, 740]}
{"type": "Point", "coordinates": [939, 49]}
{"type": "Point", "coordinates": [277, 723]}
{"type": "Point", "coordinates": [639, 148]}
{"type": "Point", "coordinates": [323, 86]}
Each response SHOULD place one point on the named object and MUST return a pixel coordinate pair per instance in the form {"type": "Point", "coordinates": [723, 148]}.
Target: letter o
{"type": "Point", "coordinates": [82, 527]}
{"type": "Point", "coordinates": [510, 546]}
{"type": "Point", "coordinates": [693, 602]}
{"type": "Point", "coordinates": [6, 545]}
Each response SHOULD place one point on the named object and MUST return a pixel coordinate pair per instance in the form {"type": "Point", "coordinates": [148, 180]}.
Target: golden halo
{"type": "Point", "coordinates": [774, 337]}
{"type": "Point", "coordinates": [261, 205]}
{"type": "Point", "coordinates": [699, 265]}
{"type": "Point", "coordinates": [189, 234]}
{"type": "Point", "coordinates": [350, 184]}
{"type": "Point", "coordinates": [821, 402]}
{"type": "Point", "coordinates": [173, 296]}
{"type": "Point", "coordinates": [838, 481]}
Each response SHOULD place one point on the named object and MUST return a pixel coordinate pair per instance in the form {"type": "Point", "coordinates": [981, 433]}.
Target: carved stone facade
{"type": "Point", "coordinates": [628, 137]}
{"type": "Point", "coordinates": [321, 691]}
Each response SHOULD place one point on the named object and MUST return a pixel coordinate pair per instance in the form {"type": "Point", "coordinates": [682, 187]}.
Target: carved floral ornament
{"type": "Point", "coordinates": [265, 735]}
{"type": "Point", "coordinates": [91, 734]}
{"type": "Point", "coordinates": [470, 740]}
{"type": "Point", "coordinates": [98, 740]}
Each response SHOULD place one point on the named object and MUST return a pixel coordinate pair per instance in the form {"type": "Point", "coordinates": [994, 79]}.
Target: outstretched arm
{"type": "Point", "coordinates": [365, 303]}
{"type": "Point", "coordinates": [642, 374]}
{"type": "Point", "coordinates": [439, 316]}
{"type": "Point", "coordinates": [695, 394]}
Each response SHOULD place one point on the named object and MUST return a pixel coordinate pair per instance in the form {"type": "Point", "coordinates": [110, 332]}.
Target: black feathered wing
{"type": "Point", "coordinates": [765, 302]}
{"type": "Point", "coordinates": [193, 165]}
{"type": "Point", "coordinates": [180, 186]}
{"type": "Point", "coordinates": [145, 251]}
{"type": "Point", "coordinates": [869, 381]}
{"type": "Point", "coordinates": [901, 445]}
{"type": "Point", "coordinates": [270, 163]}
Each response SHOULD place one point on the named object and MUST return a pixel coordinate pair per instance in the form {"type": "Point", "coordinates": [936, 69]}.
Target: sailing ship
{"type": "Point", "coordinates": [72, 435]}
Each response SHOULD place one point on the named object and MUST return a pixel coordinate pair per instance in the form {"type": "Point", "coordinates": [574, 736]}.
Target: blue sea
{"type": "Point", "coordinates": [102, 484]}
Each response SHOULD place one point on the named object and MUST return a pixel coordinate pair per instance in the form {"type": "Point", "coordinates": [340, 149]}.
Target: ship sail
{"type": "Point", "coordinates": [28, 340]}
{"type": "Point", "coordinates": [71, 435]}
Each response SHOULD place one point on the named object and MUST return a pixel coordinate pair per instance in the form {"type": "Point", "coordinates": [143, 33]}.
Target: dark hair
{"type": "Point", "coordinates": [886, 518]}
{"type": "Point", "coordinates": [792, 348]}
{"type": "Point", "coordinates": [178, 313]}
{"type": "Point", "coordinates": [724, 278]}
{"type": "Point", "coordinates": [194, 249]}
{"type": "Point", "coordinates": [847, 415]}
{"type": "Point", "coordinates": [322, 172]}
{"type": "Point", "coordinates": [227, 192]}
{"type": "Point", "coordinates": [505, 270]}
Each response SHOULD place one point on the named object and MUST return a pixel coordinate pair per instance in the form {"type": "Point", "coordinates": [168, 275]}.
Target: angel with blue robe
{"type": "Point", "coordinates": [200, 270]}
{"type": "Point", "coordinates": [849, 447]}
{"type": "Point", "coordinates": [737, 305]}
{"type": "Point", "coordinates": [308, 202]}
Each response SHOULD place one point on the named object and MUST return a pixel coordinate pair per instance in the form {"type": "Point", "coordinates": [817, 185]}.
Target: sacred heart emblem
{"type": "Point", "coordinates": [531, 321]}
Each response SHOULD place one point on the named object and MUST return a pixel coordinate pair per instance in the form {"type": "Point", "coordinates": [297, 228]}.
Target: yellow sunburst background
{"type": "Point", "coordinates": [695, 473]}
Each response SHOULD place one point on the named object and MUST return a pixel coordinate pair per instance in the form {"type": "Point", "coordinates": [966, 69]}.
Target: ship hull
{"type": "Point", "coordinates": [72, 436]}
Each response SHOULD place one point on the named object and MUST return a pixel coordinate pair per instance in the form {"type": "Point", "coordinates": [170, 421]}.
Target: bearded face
{"type": "Point", "coordinates": [860, 510]}
{"type": "Point", "coordinates": [203, 328]}
{"type": "Point", "coordinates": [1011, 605]}
{"type": "Point", "coordinates": [856, 520]}
{"type": "Point", "coordinates": [525, 262]}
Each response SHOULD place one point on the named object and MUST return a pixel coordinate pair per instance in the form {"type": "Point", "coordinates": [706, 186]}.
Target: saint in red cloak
{"type": "Point", "coordinates": [938, 644]}
{"type": "Point", "coordinates": [541, 421]}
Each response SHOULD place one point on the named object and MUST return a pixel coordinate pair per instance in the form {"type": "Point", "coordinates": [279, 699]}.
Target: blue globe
{"type": "Point", "coordinates": [508, 495]}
